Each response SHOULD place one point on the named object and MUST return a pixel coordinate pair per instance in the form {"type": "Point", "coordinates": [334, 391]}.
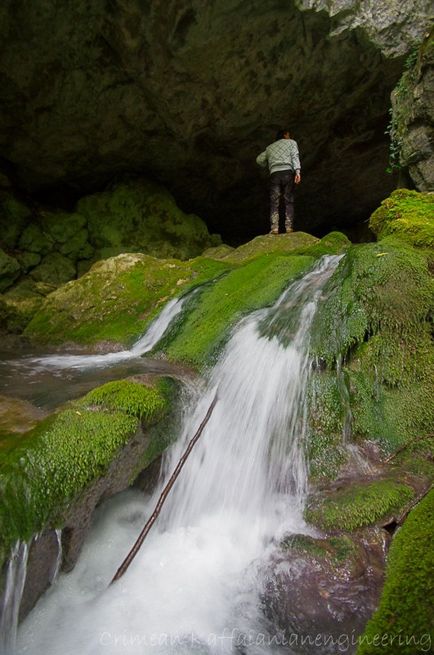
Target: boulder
{"type": "Point", "coordinates": [318, 593]}
{"type": "Point", "coordinates": [54, 269]}
{"type": "Point", "coordinates": [9, 270]}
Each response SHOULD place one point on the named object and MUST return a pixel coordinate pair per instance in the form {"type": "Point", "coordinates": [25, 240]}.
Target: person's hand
{"type": "Point", "coordinates": [297, 178]}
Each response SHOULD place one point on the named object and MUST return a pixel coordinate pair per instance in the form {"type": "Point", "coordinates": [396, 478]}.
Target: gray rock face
{"type": "Point", "coordinates": [413, 114]}
{"type": "Point", "coordinates": [189, 92]}
{"type": "Point", "coordinates": [393, 25]}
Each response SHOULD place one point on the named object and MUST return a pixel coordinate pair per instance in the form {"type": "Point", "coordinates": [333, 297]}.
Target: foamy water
{"type": "Point", "coordinates": [193, 586]}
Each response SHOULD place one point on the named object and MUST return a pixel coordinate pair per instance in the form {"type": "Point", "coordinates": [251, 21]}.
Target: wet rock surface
{"type": "Point", "coordinates": [91, 93]}
{"type": "Point", "coordinates": [320, 592]}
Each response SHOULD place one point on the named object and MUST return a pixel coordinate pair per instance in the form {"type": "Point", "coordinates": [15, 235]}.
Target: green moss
{"type": "Point", "coordinates": [14, 215]}
{"type": "Point", "coordinates": [361, 505]}
{"type": "Point", "coordinates": [133, 398]}
{"type": "Point", "coordinates": [292, 243]}
{"type": "Point", "coordinates": [377, 288]}
{"type": "Point", "coordinates": [408, 215]}
{"type": "Point", "coordinates": [9, 270]}
{"type": "Point", "coordinates": [334, 243]}
{"type": "Point", "coordinates": [53, 464]}
{"type": "Point", "coordinates": [327, 409]}
{"type": "Point", "coordinates": [404, 619]}
{"type": "Point", "coordinates": [223, 303]}
{"type": "Point", "coordinates": [117, 298]}
{"type": "Point", "coordinates": [46, 469]}
{"type": "Point", "coordinates": [337, 550]}
{"type": "Point", "coordinates": [144, 215]}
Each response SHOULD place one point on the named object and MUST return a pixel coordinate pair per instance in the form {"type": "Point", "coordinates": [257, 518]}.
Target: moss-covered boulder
{"type": "Point", "coordinates": [54, 269]}
{"type": "Point", "coordinates": [319, 592]}
{"type": "Point", "coordinates": [408, 215]}
{"type": "Point", "coordinates": [14, 215]}
{"type": "Point", "coordinates": [404, 621]}
{"type": "Point", "coordinates": [295, 243]}
{"type": "Point", "coordinates": [360, 505]}
{"type": "Point", "coordinates": [19, 304]}
{"type": "Point", "coordinates": [117, 298]}
{"type": "Point", "coordinates": [9, 270]}
{"type": "Point", "coordinates": [144, 215]}
{"type": "Point", "coordinates": [198, 339]}
{"type": "Point", "coordinates": [372, 339]}
{"type": "Point", "coordinates": [45, 472]}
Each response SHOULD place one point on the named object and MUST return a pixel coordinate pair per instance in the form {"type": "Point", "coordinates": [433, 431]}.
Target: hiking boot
{"type": "Point", "coordinates": [274, 230]}
{"type": "Point", "coordinates": [289, 230]}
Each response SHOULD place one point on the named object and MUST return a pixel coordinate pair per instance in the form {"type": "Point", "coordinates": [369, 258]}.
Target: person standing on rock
{"type": "Point", "coordinates": [283, 162]}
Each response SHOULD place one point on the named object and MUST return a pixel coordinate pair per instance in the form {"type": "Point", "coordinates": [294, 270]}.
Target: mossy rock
{"type": "Point", "coordinates": [271, 244]}
{"type": "Point", "coordinates": [54, 269]}
{"type": "Point", "coordinates": [48, 468]}
{"type": "Point", "coordinates": [34, 239]}
{"type": "Point", "coordinates": [218, 252]}
{"type": "Point", "coordinates": [358, 506]}
{"type": "Point", "coordinates": [375, 326]}
{"type": "Point", "coordinates": [144, 215]}
{"type": "Point", "coordinates": [14, 215]}
{"type": "Point", "coordinates": [135, 399]}
{"type": "Point", "coordinates": [404, 621]}
{"type": "Point", "coordinates": [408, 215]}
{"type": "Point", "coordinates": [28, 260]}
{"type": "Point", "coordinates": [295, 243]}
{"type": "Point", "coordinates": [337, 550]}
{"type": "Point", "coordinates": [61, 226]}
{"type": "Point", "coordinates": [117, 298]}
{"type": "Point", "coordinates": [198, 339]}
{"type": "Point", "coordinates": [9, 270]}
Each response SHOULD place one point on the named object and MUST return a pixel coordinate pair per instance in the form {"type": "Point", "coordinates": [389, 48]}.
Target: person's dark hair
{"type": "Point", "coordinates": [281, 134]}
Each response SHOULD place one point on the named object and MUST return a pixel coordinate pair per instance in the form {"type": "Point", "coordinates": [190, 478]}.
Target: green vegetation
{"type": "Point", "coordinates": [337, 550]}
{"type": "Point", "coordinates": [48, 468]}
{"type": "Point", "coordinates": [404, 619]}
{"type": "Point", "coordinates": [117, 298]}
{"type": "Point", "coordinates": [376, 321]}
{"type": "Point", "coordinates": [132, 398]}
{"type": "Point", "coordinates": [408, 215]}
{"type": "Point", "coordinates": [360, 505]}
{"type": "Point", "coordinates": [400, 112]}
{"type": "Point", "coordinates": [222, 304]}
{"type": "Point", "coordinates": [271, 244]}
{"type": "Point", "coordinates": [53, 464]}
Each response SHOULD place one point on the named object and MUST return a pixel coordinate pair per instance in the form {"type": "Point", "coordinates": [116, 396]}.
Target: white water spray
{"type": "Point", "coordinates": [152, 336]}
{"type": "Point", "coordinates": [15, 579]}
{"type": "Point", "coordinates": [192, 587]}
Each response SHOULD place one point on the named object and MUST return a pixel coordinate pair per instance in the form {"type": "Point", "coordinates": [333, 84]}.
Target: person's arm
{"type": "Point", "coordinates": [262, 159]}
{"type": "Point", "coordinates": [296, 163]}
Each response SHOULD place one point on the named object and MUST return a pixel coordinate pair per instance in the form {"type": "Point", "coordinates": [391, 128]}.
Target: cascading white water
{"type": "Point", "coordinates": [152, 336]}
{"type": "Point", "coordinates": [15, 579]}
{"type": "Point", "coordinates": [192, 588]}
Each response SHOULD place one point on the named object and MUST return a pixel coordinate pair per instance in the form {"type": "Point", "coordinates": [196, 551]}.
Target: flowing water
{"type": "Point", "coordinates": [193, 587]}
{"type": "Point", "coordinates": [51, 379]}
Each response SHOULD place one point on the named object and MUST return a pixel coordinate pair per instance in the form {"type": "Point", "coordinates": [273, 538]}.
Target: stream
{"type": "Point", "coordinates": [195, 585]}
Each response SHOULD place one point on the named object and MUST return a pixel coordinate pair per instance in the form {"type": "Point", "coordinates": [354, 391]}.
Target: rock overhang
{"type": "Point", "coordinates": [188, 92]}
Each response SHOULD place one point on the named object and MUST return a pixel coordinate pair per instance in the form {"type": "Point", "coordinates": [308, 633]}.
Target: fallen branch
{"type": "Point", "coordinates": [141, 538]}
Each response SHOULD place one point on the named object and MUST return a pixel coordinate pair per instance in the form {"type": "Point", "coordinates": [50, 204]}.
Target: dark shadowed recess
{"type": "Point", "coordinates": [188, 92]}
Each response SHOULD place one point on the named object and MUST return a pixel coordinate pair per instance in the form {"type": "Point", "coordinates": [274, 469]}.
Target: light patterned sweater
{"type": "Point", "coordinates": [282, 155]}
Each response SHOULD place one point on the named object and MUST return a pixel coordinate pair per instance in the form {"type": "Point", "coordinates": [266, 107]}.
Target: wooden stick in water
{"type": "Point", "coordinates": [141, 538]}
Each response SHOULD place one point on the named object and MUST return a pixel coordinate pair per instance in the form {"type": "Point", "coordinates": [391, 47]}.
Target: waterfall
{"type": "Point", "coordinates": [15, 579]}
{"type": "Point", "coordinates": [193, 588]}
{"type": "Point", "coordinates": [152, 336]}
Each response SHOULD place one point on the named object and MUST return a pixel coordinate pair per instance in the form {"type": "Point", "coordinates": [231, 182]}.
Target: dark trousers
{"type": "Point", "coordinates": [282, 186]}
